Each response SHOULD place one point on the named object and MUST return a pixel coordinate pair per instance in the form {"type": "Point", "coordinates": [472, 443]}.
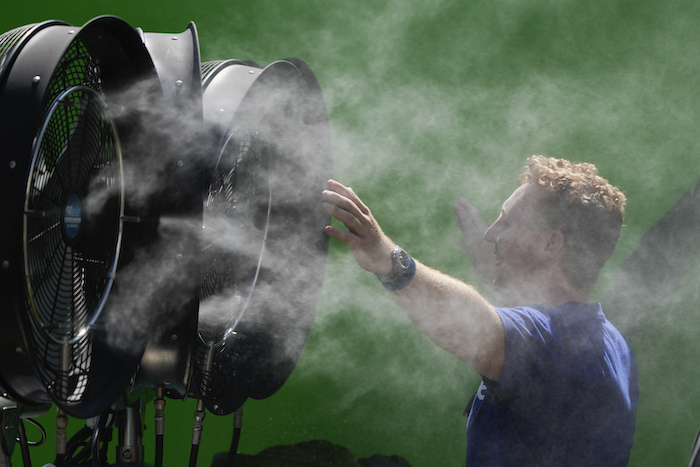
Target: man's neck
{"type": "Point", "coordinates": [553, 292]}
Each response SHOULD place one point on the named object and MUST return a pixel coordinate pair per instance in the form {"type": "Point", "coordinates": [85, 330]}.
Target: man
{"type": "Point", "coordinates": [559, 382]}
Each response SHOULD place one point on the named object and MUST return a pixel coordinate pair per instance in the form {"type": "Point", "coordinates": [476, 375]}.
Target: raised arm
{"type": "Point", "coordinates": [451, 313]}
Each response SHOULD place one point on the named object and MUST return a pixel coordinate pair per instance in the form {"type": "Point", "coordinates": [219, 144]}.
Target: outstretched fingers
{"type": "Point", "coordinates": [371, 247]}
{"type": "Point", "coordinates": [349, 220]}
{"type": "Point", "coordinates": [479, 251]}
{"type": "Point", "coordinates": [348, 193]}
{"type": "Point", "coordinates": [342, 235]}
{"type": "Point", "coordinates": [343, 204]}
{"type": "Point", "coordinates": [468, 218]}
{"type": "Point", "coordinates": [342, 209]}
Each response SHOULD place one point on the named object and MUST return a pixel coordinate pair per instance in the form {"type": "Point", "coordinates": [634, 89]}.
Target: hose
{"type": "Point", "coordinates": [237, 424]}
{"type": "Point", "coordinates": [24, 446]}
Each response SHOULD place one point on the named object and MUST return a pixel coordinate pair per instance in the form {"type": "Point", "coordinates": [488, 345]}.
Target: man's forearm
{"type": "Point", "coordinates": [456, 318]}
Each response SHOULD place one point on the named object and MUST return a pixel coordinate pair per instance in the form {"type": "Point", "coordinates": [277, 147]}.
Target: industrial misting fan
{"type": "Point", "coordinates": [161, 234]}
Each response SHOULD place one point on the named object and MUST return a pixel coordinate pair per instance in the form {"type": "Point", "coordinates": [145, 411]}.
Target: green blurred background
{"type": "Point", "coordinates": [433, 100]}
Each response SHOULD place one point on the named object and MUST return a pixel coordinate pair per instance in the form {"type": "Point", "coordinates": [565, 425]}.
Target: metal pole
{"type": "Point", "coordinates": [130, 448]}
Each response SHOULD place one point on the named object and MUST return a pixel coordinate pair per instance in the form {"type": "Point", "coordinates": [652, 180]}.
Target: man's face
{"type": "Point", "coordinates": [519, 242]}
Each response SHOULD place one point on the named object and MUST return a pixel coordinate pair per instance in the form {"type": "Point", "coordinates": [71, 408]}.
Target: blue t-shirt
{"type": "Point", "coordinates": [567, 394]}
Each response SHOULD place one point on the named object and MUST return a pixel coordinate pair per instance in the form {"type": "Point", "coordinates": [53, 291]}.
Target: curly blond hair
{"type": "Point", "coordinates": [585, 207]}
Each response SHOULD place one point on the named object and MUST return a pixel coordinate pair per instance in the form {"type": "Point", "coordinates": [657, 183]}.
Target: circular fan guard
{"type": "Point", "coordinates": [236, 217]}
{"type": "Point", "coordinates": [64, 202]}
{"type": "Point", "coordinates": [267, 252]}
{"type": "Point", "coordinates": [73, 232]}
{"type": "Point", "coordinates": [236, 221]}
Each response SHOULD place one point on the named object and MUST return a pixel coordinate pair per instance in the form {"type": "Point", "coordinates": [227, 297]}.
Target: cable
{"type": "Point", "coordinates": [26, 459]}
{"type": "Point", "coordinates": [197, 432]}
{"type": "Point", "coordinates": [83, 448]}
{"type": "Point", "coordinates": [159, 451]}
{"type": "Point", "coordinates": [159, 422]}
{"type": "Point", "coordinates": [105, 435]}
{"type": "Point", "coordinates": [193, 455]}
{"type": "Point", "coordinates": [99, 426]}
{"type": "Point", "coordinates": [61, 435]}
{"type": "Point", "coordinates": [77, 452]}
{"type": "Point", "coordinates": [237, 424]}
{"type": "Point", "coordinates": [42, 430]}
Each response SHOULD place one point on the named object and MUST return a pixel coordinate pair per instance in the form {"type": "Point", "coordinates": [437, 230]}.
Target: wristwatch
{"type": "Point", "coordinates": [401, 262]}
{"type": "Point", "coordinates": [403, 270]}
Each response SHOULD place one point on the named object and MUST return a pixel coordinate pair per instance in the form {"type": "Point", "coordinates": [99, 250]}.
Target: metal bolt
{"type": "Point", "coordinates": [18, 349]}
{"type": "Point", "coordinates": [178, 256]}
{"type": "Point", "coordinates": [72, 31]}
{"type": "Point", "coordinates": [126, 454]}
{"type": "Point", "coordinates": [251, 72]}
{"type": "Point", "coordinates": [178, 83]}
{"type": "Point", "coordinates": [13, 164]}
{"type": "Point", "coordinates": [134, 219]}
{"type": "Point", "coordinates": [5, 263]}
{"type": "Point", "coordinates": [36, 79]}
{"type": "Point", "coordinates": [180, 163]}
{"type": "Point", "coordinates": [173, 337]}
{"type": "Point", "coordinates": [174, 38]}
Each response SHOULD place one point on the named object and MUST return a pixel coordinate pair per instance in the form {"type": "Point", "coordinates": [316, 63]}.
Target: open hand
{"type": "Point", "coordinates": [479, 251]}
{"type": "Point", "coordinates": [371, 247]}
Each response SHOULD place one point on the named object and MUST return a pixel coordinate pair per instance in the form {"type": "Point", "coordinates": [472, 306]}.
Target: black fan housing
{"type": "Point", "coordinates": [63, 91]}
{"type": "Point", "coordinates": [264, 233]}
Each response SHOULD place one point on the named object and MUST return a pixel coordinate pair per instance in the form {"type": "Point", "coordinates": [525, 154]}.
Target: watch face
{"type": "Point", "coordinates": [403, 260]}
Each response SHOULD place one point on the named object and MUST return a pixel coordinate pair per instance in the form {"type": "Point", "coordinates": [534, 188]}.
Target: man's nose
{"type": "Point", "coordinates": [491, 235]}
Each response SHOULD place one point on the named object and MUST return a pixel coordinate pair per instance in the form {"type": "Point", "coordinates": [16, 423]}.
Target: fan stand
{"type": "Point", "coordinates": [9, 423]}
{"type": "Point", "coordinates": [130, 450]}
{"type": "Point", "coordinates": [130, 447]}
{"type": "Point", "coordinates": [12, 432]}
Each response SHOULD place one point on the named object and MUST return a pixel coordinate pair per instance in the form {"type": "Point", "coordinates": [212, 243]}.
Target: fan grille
{"type": "Point", "coordinates": [76, 68]}
{"type": "Point", "coordinates": [236, 218]}
{"type": "Point", "coordinates": [9, 40]}
{"type": "Point", "coordinates": [72, 225]}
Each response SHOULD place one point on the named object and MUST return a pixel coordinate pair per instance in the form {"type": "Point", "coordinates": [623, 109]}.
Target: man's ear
{"type": "Point", "coordinates": [555, 243]}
